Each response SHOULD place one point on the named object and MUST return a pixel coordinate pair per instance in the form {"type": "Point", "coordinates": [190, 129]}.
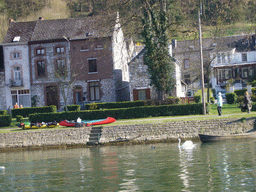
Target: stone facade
{"type": "Point", "coordinates": [17, 77]}
{"type": "Point", "coordinates": [138, 133]}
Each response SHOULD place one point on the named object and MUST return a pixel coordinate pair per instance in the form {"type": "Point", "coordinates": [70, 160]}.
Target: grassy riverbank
{"type": "Point", "coordinates": [228, 111]}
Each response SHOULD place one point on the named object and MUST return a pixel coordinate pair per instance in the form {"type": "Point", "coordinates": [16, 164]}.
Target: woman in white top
{"type": "Point", "coordinates": [219, 103]}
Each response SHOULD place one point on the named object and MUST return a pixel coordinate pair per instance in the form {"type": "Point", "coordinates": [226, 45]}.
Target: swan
{"type": "Point", "coordinates": [186, 145]}
{"type": "Point", "coordinates": [2, 168]}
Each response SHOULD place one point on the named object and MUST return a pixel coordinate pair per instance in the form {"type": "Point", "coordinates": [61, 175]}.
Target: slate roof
{"type": "Point", "coordinates": [216, 44]}
{"type": "Point", "coordinates": [77, 28]}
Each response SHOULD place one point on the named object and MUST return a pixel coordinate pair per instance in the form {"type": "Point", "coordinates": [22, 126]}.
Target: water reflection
{"type": "Point", "coordinates": [186, 161]}
{"type": "Point", "coordinates": [222, 166]}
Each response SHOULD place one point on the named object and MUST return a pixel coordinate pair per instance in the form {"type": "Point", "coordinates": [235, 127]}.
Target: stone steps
{"type": "Point", "coordinates": [94, 136]}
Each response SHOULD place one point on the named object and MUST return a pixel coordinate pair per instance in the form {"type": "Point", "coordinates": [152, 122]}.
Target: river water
{"type": "Point", "coordinates": [220, 166]}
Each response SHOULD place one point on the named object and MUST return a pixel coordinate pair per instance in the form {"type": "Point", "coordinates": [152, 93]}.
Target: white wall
{"type": "Point", "coordinates": [22, 62]}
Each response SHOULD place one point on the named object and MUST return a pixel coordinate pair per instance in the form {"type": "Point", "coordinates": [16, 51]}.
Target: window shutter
{"type": "Point", "coordinates": [148, 95]}
{"type": "Point", "coordinates": [135, 95]}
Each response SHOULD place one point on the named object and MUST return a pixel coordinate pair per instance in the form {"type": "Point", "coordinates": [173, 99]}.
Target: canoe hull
{"type": "Point", "coordinates": [213, 138]}
{"type": "Point", "coordinates": [89, 122]}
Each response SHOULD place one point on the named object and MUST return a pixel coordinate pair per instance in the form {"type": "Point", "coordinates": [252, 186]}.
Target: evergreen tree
{"type": "Point", "coordinates": [157, 58]}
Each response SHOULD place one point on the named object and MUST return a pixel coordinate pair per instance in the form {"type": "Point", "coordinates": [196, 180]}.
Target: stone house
{"type": "Point", "coordinates": [16, 64]}
{"type": "Point", "coordinates": [140, 88]}
{"type": "Point", "coordinates": [94, 56]}
{"type": "Point", "coordinates": [231, 57]}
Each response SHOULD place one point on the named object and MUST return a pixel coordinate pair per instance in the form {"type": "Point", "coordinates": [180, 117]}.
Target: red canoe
{"type": "Point", "coordinates": [89, 122]}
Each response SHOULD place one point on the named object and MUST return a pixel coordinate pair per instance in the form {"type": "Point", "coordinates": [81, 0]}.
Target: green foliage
{"type": "Point", "coordinates": [19, 118]}
{"type": "Point", "coordinates": [3, 112]}
{"type": "Point", "coordinates": [157, 58]}
{"type": "Point", "coordinates": [121, 113]}
{"type": "Point", "coordinates": [73, 107]}
{"type": "Point", "coordinates": [253, 83]}
{"type": "Point", "coordinates": [231, 98]}
{"type": "Point", "coordinates": [240, 92]}
{"type": "Point", "coordinates": [240, 99]}
{"type": "Point", "coordinates": [253, 91]}
{"type": "Point", "coordinates": [93, 106]}
{"type": "Point", "coordinates": [198, 98]}
{"type": "Point", "coordinates": [29, 110]}
{"type": "Point", "coordinates": [5, 120]}
{"type": "Point", "coordinates": [212, 99]}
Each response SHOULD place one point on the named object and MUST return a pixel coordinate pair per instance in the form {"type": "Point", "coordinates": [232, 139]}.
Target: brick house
{"type": "Point", "coordinates": [94, 55]}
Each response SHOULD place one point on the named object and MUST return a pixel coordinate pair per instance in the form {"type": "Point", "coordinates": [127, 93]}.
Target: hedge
{"type": "Point", "coordinates": [111, 105]}
{"type": "Point", "coordinates": [25, 112]}
{"type": "Point", "coordinates": [240, 92]}
{"type": "Point", "coordinates": [73, 107]}
{"type": "Point", "coordinates": [128, 104]}
{"type": "Point", "coordinates": [5, 120]}
{"type": "Point", "coordinates": [3, 112]}
{"type": "Point", "coordinates": [121, 113]}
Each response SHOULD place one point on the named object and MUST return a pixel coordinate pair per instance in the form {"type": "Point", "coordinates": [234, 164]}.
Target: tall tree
{"type": "Point", "coordinates": [157, 57]}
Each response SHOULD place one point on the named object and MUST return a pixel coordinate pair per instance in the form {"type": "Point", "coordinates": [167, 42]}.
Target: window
{"type": "Point", "coordinates": [60, 50]}
{"type": "Point", "coordinates": [94, 88]}
{"type": "Point", "coordinates": [244, 72]}
{"type": "Point", "coordinates": [223, 56]}
{"type": "Point", "coordinates": [61, 68]}
{"type": "Point", "coordinates": [78, 94]}
{"type": "Point", "coordinates": [40, 51]}
{"type": "Point", "coordinates": [141, 94]}
{"type": "Point", "coordinates": [186, 63]}
{"type": "Point", "coordinates": [21, 97]}
{"type": "Point", "coordinates": [16, 55]}
{"type": "Point", "coordinates": [99, 47]}
{"type": "Point", "coordinates": [187, 79]}
{"type": "Point", "coordinates": [17, 73]}
{"type": "Point", "coordinates": [244, 57]}
{"type": "Point", "coordinates": [92, 65]}
{"type": "Point", "coordinates": [229, 57]}
{"type": "Point", "coordinates": [41, 72]}
{"type": "Point", "coordinates": [219, 58]}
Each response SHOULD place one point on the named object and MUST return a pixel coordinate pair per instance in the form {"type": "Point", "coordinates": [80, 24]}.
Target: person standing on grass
{"type": "Point", "coordinates": [219, 103]}
{"type": "Point", "coordinates": [247, 101]}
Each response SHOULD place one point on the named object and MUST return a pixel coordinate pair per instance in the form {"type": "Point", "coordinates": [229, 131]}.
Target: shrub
{"type": "Point", "coordinates": [198, 98]}
{"type": "Point", "coordinates": [19, 118]}
{"type": "Point", "coordinates": [253, 91]}
{"type": "Point", "coordinates": [73, 107]}
{"type": "Point", "coordinates": [240, 92]}
{"type": "Point", "coordinates": [240, 99]}
{"type": "Point", "coordinates": [231, 97]}
{"type": "Point", "coordinates": [5, 120]}
{"type": "Point", "coordinates": [3, 112]}
{"type": "Point", "coordinates": [212, 99]}
{"type": "Point", "coordinates": [253, 83]}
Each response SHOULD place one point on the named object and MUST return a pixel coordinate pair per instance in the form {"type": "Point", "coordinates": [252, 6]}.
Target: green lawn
{"type": "Point", "coordinates": [228, 111]}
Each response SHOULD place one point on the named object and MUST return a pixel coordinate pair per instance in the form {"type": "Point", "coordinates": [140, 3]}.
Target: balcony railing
{"type": "Point", "coordinates": [16, 83]}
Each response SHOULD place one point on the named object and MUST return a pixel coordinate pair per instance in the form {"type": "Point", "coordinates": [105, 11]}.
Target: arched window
{"type": "Point", "coordinates": [78, 94]}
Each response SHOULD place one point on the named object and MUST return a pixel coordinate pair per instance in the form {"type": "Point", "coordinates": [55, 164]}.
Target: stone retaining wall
{"type": "Point", "coordinates": [137, 133]}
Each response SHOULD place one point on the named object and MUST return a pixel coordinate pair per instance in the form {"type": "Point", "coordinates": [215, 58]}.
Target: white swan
{"type": "Point", "coordinates": [2, 168]}
{"type": "Point", "coordinates": [186, 145]}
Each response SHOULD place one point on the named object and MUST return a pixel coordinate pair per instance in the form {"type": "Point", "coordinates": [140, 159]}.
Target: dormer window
{"type": "Point", "coordinates": [16, 39]}
{"type": "Point", "coordinates": [244, 57]}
